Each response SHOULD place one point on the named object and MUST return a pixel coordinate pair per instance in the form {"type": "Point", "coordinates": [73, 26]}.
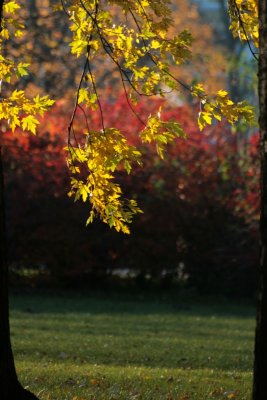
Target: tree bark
{"type": "Point", "coordinates": [260, 360]}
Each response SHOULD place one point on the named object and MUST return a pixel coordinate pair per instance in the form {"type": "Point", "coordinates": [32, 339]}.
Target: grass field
{"type": "Point", "coordinates": [74, 347]}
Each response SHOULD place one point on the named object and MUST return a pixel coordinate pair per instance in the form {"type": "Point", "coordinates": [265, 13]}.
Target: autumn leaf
{"type": "Point", "coordinates": [29, 123]}
{"type": "Point", "coordinates": [11, 6]}
{"type": "Point", "coordinates": [22, 69]}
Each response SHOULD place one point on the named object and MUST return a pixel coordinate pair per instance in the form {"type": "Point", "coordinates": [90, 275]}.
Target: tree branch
{"type": "Point", "coordinates": [1, 12]}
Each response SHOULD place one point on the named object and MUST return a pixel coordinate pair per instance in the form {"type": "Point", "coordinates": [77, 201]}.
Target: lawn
{"type": "Point", "coordinates": [73, 347]}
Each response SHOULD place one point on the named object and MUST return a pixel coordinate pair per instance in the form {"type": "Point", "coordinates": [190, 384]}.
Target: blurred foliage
{"type": "Point", "coordinates": [141, 41]}
{"type": "Point", "coordinates": [241, 66]}
{"type": "Point", "coordinates": [48, 36]}
{"type": "Point", "coordinates": [45, 47]}
{"type": "Point", "coordinates": [199, 226]}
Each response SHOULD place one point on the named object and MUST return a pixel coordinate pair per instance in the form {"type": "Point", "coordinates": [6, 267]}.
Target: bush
{"type": "Point", "coordinates": [199, 225]}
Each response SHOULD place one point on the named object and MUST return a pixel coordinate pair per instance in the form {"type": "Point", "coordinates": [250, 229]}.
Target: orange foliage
{"type": "Point", "coordinates": [56, 71]}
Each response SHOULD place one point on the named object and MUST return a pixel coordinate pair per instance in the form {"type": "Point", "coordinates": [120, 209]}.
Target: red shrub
{"type": "Point", "coordinates": [201, 203]}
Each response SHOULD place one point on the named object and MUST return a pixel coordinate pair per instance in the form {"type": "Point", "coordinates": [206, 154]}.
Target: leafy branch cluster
{"type": "Point", "coordinates": [133, 35]}
{"type": "Point", "coordinates": [245, 21]}
{"type": "Point", "coordinates": [15, 107]}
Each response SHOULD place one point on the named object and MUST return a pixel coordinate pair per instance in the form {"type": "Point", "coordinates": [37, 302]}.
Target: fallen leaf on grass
{"type": "Point", "coordinates": [230, 395]}
{"type": "Point", "coordinates": [96, 382]}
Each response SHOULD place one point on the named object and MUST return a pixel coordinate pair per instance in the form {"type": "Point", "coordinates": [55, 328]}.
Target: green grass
{"type": "Point", "coordinates": [78, 347]}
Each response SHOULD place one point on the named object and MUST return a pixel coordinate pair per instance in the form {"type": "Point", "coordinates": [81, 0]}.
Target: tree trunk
{"type": "Point", "coordinates": [260, 362]}
{"type": "Point", "coordinates": [7, 369]}
{"type": "Point", "coordinates": [10, 388]}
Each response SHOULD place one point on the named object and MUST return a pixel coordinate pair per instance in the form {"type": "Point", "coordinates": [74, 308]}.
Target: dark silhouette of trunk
{"type": "Point", "coordinates": [260, 362]}
{"type": "Point", "coordinates": [7, 369]}
{"type": "Point", "coordinates": [10, 388]}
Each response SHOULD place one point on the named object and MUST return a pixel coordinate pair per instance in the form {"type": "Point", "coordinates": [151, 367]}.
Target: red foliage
{"type": "Point", "coordinates": [200, 204]}
{"type": "Point", "coordinates": [37, 163]}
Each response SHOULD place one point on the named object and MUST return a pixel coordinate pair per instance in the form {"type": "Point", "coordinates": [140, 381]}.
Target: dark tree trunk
{"type": "Point", "coordinates": [10, 388]}
{"type": "Point", "coordinates": [260, 363]}
{"type": "Point", "coordinates": [7, 370]}
{"type": "Point", "coordinates": [8, 377]}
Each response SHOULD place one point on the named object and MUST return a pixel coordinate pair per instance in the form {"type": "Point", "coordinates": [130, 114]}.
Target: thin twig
{"type": "Point", "coordinates": [244, 30]}
{"type": "Point", "coordinates": [97, 97]}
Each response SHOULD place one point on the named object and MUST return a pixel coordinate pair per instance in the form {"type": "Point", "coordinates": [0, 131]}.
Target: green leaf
{"type": "Point", "coordinates": [22, 69]}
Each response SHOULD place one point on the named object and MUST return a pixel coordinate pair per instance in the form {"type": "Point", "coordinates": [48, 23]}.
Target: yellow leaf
{"type": "Point", "coordinates": [204, 118]}
{"type": "Point", "coordinates": [207, 117]}
{"type": "Point", "coordinates": [22, 69]}
{"type": "Point", "coordinates": [83, 95]}
{"type": "Point", "coordinates": [84, 193]}
{"type": "Point", "coordinates": [5, 33]}
{"type": "Point", "coordinates": [11, 7]}
{"type": "Point", "coordinates": [29, 123]}
{"type": "Point", "coordinates": [222, 93]}
{"type": "Point", "coordinates": [155, 44]}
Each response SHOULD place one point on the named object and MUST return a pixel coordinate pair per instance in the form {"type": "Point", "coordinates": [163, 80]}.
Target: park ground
{"type": "Point", "coordinates": [133, 347]}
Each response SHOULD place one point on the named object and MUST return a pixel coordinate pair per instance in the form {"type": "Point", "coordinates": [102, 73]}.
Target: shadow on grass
{"type": "Point", "coordinates": [112, 303]}
{"type": "Point", "coordinates": [188, 333]}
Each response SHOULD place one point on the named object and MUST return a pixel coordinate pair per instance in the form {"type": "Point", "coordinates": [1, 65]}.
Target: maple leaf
{"type": "Point", "coordinates": [30, 123]}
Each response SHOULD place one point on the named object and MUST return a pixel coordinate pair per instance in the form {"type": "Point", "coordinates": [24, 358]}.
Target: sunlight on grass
{"type": "Point", "coordinates": [92, 348]}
